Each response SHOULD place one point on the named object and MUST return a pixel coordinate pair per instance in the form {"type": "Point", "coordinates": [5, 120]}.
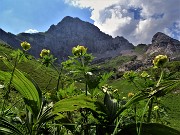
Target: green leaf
{"type": "Point", "coordinates": [8, 128]}
{"type": "Point", "coordinates": [74, 103]}
{"type": "Point", "coordinates": [111, 105]}
{"type": "Point", "coordinates": [148, 129]}
{"type": "Point", "coordinates": [25, 87]}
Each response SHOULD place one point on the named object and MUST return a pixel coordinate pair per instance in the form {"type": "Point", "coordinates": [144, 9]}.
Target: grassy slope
{"type": "Point", "coordinates": [115, 62]}
{"type": "Point", "coordinates": [42, 75]}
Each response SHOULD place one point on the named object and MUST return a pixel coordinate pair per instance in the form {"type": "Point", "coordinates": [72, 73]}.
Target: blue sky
{"type": "Point", "coordinates": [20, 15]}
{"type": "Point", "coordinates": [136, 20]}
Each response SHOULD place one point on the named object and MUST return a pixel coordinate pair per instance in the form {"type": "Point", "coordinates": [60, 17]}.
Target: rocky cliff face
{"type": "Point", "coordinates": [68, 33]}
{"type": "Point", "coordinates": [163, 44]}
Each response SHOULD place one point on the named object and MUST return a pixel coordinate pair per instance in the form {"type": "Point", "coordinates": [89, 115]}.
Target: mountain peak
{"type": "Point", "coordinates": [68, 23]}
{"type": "Point", "coordinates": [163, 44]}
{"type": "Point", "coordinates": [160, 37]}
{"type": "Point", "coordinates": [70, 32]}
{"type": "Point", "coordinates": [69, 18]}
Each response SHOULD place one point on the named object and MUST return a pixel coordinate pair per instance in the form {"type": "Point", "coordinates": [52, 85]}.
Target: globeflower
{"type": "Point", "coordinates": [25, 45]}
{"type": "Point", "coordinates": [160, 60]}
{"type": "Point", "coordinates": [130, 95]}
{"type": "Point", "coordinates": [44, 52]}
{"type": "Point", "coordinates": [156, 108]}
{"type": "Point", "coordinates": [79, 50]}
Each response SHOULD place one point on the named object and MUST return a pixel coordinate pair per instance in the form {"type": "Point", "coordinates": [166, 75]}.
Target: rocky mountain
{"type": "Point", "coordinates": [161, 44]}
{"type": "Point", "coordinates": [68, 33]}
{"type": "Point", "coordinates": [9, 38]}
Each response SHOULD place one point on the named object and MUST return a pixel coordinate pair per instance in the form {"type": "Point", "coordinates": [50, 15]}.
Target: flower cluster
{"type": "Point", "coordinates": [44, 52]}
{"type": "Point", "coordinates": [79, 50]}
{"type": "Point", "coordinates": [160, 60]}
{"type": "Point", "coordinates": [25, 45]}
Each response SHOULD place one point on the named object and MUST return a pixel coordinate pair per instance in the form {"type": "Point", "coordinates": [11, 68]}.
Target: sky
{"type": "Point", "coordinates": [136, 20]}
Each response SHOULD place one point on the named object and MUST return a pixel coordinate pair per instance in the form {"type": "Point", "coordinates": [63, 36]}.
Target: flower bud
{"type": "Point", "coordinates": [25, 45]}
{"type": "Point", "coordinates": [44, 52]}
{"type": "Point", "coordinates": [160, 60]}
{"type": "Point", "coordinates": [79, 50]}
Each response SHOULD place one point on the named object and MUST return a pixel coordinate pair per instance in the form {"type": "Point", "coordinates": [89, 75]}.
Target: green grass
{"type": "Point", "coordinates": [115, 62]}
{"type": "Point", "coordinates": [172, 101]}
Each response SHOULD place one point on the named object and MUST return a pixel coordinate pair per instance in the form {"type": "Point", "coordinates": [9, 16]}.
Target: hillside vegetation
{"type": "Point", "coordinates": [78, 98]}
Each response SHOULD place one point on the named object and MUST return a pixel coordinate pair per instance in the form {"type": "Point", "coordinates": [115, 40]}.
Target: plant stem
{"type": "Point", "coordinates": [150, 111]}
{"type": "Point", "coordinates": [139, 131]}
{"type": "Point", "coordinates": [86, 92]}
{"type": "Point", "coordinates": [160, 78]}
{"type": "Point", "coordinates": [59, 75]}
{"type": "Point", "coordinates": [9, 86]}
{"type": "Point", "coordinates": [115, 130]}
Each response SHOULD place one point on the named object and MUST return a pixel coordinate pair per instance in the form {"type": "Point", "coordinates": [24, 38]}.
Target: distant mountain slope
{"type": "Point", "coordinates": [68, 33]}
{"type": "Point", "coordinates": [161, 44]}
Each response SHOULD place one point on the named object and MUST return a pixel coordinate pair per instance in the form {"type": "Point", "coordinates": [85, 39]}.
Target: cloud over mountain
{"type": "Point", "coordinates": [136, 20]}
{"type": "Point", "coordinates": [31, 31]}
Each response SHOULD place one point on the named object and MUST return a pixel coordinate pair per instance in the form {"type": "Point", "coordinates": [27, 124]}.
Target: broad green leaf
{"type": "Point", "coordinates": [74, 103]}
{"type": "Point", "coordinates": [165, 88]}
{"type": "Point", "coordinates": [25, 87]}
{"type": "Point", "coordinates": [149, 129]}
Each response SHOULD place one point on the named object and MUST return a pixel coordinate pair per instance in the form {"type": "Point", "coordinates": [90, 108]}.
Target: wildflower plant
{"type": "Point", "coordinates": [25, 45]}
{"type": "Point", "coordinates": [46, 58]}
{"type": "Point", "coordinates": [83, 103]}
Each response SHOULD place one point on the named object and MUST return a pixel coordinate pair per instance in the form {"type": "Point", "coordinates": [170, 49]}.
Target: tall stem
{"type": "Point", "coordinates": [86, 92]}
{"type": "Point", "coordinates": [160, 78]}
{"type": "Point", "coordinates": [9, 86]}
{"type": "Point", "coordinates": [59, 76]}
{"type": "Point", "coordinates": [139, 131]}
{"type": "Point", "coordinates": [150, 111]}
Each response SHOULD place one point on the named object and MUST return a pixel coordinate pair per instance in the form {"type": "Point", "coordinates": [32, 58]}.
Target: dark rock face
{"type": "Point", "coordinates": [9, 38]}
{"type": "Point", "coordinates": [71, 32]}
{"type": "Point", "coordinates": [163, 44]}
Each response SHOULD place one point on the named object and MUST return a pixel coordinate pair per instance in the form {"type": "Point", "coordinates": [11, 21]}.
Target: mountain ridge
{"type": "Point", "coordinates": [70, 32]}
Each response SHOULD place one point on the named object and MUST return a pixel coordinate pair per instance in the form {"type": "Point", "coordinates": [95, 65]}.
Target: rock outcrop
{"type": "Point", "coordinates": [163, 44]}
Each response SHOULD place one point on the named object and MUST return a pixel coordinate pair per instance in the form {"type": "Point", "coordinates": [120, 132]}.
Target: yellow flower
{"type": "Point", "coordinates": [25, 45]}
{"type": "Point", "coordinates": [156, 108]}
{"type": "Point", "coordinates": [44, 52]}
{"type": "Point", "coordinates": [160, 60]}
{"type": "Point", "coordinates": [79, 50]}
{"type": "Point", "coordinates": [130, 95]}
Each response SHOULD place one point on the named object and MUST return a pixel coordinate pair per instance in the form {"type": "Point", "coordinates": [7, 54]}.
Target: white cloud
{"type": "Point", "coordinates": [31, 31]}
{"type": "Point", "coordinates": [116, 18]}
